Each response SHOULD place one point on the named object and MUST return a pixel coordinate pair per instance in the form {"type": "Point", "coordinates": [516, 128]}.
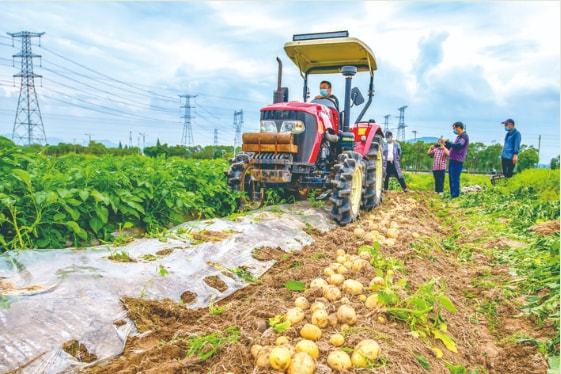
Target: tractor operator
{"type": "Point", "coordinates": [325, 93]}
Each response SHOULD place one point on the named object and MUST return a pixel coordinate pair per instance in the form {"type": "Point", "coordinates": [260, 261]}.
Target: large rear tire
{"type": "Point", "coordinates": [373, 193]}
{"type": "Point", "coordinates": [348, 184]}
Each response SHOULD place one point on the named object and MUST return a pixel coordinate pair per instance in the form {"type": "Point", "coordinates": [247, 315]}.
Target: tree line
{"type": "Point", "coordinates": [481, 158]}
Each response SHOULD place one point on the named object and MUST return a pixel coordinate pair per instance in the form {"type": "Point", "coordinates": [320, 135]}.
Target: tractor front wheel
{"type": "Point", "coordinates": [373, 186]}
{"type": "Point", "coordinates": [239, 179]}
{"type": "Point", "coordinates": [348, 184]}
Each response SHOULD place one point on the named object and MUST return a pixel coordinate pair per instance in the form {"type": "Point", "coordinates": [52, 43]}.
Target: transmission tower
{"type": "Point", "coordinates": [28, 123]}
{"type": "Point", "coordinates": [414, 135]}
{"type": "Point", "coordinates": [401, 125]}
{"type": "Point", "coordinates": [130, 138]}
{"type": "Point", "coordinates": [238, 125]}
{"type": "Point", "coordinates": [215, 137]}
{"type": "Point", "coordinates": [143, 135]}
{"type": "Point", "coordinates": [187, 135]}
{"type": "Point", "coordinates": [386, 123]}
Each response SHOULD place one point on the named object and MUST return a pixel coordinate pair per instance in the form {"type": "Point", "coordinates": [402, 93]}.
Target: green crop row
{"type": "Point", "coordinates": [50, 202]}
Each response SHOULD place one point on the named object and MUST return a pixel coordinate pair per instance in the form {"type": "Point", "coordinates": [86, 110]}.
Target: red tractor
{"type": "Point", "coordinates": [314, 145]}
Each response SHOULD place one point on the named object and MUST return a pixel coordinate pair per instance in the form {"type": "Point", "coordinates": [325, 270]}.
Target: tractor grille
{"type": "Point", "coordinates": [273, 160]}
{"type": "Point", "coordinates": [273, 156]}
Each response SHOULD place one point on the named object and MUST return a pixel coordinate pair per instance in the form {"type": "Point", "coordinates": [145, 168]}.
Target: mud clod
{"type": "Point", "coordinates": [78, 351]}
{"type": "Point", "coordinates": [164, 252]}
{"type": "Point", "coordinates": [188, 297]}
{"type": "Point", "coordinates": [267, 254]}
{"type": "Point", "coordinates": [215, 282]}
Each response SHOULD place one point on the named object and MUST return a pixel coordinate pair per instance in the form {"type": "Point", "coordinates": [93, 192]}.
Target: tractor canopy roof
{"type": "Point", "coordinates": [325, 53]}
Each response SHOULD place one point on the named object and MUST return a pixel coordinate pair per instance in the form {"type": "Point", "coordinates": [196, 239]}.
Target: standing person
{"type": "Point", "coordinates": [457, 155]}
{"type": "Point", "coordinates": [439, 153]}
{"type": "Point", "coordinates": [392, 154]}
{"type": "Point", "coordinates": [509, 157]}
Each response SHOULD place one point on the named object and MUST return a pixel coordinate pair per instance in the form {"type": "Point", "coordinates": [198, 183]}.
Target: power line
{"type": "Point", "coordinates": [128, 84]}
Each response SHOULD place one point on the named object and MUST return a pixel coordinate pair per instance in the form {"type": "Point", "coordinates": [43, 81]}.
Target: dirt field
{"type": "Point", "coordinates": [484, 341]}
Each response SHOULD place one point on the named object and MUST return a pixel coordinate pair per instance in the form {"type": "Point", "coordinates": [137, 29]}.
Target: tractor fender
{"type": "Point", "coordinates": [364, 147]}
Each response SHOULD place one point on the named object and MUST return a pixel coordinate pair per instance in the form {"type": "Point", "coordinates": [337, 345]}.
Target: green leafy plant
{"type": "Point", "coordinates": [243, 273]}
{"type": "Point", "coordinates": [206, 346]}
{"type": "Point", "coordinates": [162, 270]}
{"type": "Point", "coordinates": [279, 323]}
{"type": "Point", "coordinates": [295, 285]}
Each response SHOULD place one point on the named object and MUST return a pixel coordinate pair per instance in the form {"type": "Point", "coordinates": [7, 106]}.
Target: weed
{"type": "Point", "coordinates": [120, 256]}
{"type": "Point", "coordinates": [206, 346]}
{"type": "Point", "coordinates": [216, 310]}
{"type": "Point", "coordinates": [243, 273]}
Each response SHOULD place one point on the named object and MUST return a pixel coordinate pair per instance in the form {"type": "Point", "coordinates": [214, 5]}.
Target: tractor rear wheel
{"type": "Point", "coordinates": [349, 174]}
{"type": "Point", "coordinates": [373, 187]}
{"type": "Point", "coordinates": [239, 179]}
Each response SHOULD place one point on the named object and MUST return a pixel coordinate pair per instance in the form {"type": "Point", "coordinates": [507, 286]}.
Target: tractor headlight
{"type": "Point", "coordinates": [295, 127]}
{"type": "Point", "coordinates": [268, 126]}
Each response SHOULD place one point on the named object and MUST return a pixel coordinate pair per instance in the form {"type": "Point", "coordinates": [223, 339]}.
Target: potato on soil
{"type": "Point", "coordinates": [372, 301]}
{"type": "Point", "coordinates": [339, 360]}
{"type": "Point", "coordinates": [255, 350]}
{"type": "Point", "coordinates": [318, 283]}
{"type": "Point", "coordinates": [332, 293]}
{"type": "Point", "coordinates": [365, 353]}
{"type": "Point", "coordinates": [295, 315]}
{"type": "Point", "coordinates": [336, 279]}
{"type": "Point", "coordinates": [316, 306]}
{"type": "Point", "coordinates": [302, 363]}
{"type": "Point", "coordinates": [352, 287]}
{"type": "Point", "coordinates": [309, 347]}
{"type": "Point", "coordinates": [346, 314]}
{"type": "Point", "coordinates": [377, 282]}
{"type": "Point", "coordinates": [279, 358]}
{"type": "Point", "coordinates": [392, 233]}
{"type": "Point", "coordinates": [342, 270]}
{"type": "Point", "coordinates": [340, 252]}
{"type": "Point", "coordinates": [262, 359]}
{"type": "Point", "coordinates": [310, 332]}
{"type": "Point", "coordinates": [337, 340]}
{"type": "Point", "coordinates": [359, 232]}
{"type": "Point", "coordinates": [302, 303]}
{"type": "Point", "coordinates": [327, 272]}
{"type": "Point", "coordinates": [320, 318]}
{"type": "Point", "coordinates": [282, 340]}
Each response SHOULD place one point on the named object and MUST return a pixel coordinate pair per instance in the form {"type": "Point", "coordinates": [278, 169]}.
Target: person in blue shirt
{"type": "Point", "coordinates": [509, 157]}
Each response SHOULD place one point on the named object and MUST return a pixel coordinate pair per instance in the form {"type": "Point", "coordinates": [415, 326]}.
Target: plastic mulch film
{"type": "Point", "coordinates": [50, 299]}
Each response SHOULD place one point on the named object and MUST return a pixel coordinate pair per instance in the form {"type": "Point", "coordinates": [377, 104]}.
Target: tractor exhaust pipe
{"type": "Point", "coordinates": [279, 75]}
{"type": "Point", "coordinates": [280, 95]}
{"type": "Point", "coordinates": [348, 72]}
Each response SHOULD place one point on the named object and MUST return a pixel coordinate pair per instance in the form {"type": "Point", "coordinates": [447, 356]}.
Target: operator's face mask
{"type": "Point", "coordinates": [324, 91]}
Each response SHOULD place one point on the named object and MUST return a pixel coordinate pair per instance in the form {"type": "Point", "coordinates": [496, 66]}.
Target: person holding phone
{"type": "Point", "coordinates": [439, 153]}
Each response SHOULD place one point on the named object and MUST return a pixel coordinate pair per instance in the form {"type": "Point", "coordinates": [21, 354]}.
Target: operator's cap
{"type": "Point", "coordinates": [508, 121]}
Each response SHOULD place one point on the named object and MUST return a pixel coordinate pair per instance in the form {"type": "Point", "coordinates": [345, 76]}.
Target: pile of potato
{"type": "Point", "coordinates": [337, 286]}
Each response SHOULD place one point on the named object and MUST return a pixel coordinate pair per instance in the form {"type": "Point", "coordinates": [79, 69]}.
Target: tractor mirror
{"type": "Point", "coordinates": [356, 96]}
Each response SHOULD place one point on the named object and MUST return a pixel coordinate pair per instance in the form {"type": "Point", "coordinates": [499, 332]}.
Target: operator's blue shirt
{"type": "Point", "coordinates": [512, 144]}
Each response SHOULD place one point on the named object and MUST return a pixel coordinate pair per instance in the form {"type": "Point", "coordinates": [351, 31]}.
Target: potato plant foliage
{"type": "Point", "coordinates": [51, 202]}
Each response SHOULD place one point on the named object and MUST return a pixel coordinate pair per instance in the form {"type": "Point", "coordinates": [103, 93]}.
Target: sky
{"type": "Point", "coordinates": [112, 69]}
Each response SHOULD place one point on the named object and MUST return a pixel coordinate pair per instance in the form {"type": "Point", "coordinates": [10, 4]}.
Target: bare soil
{"type": "Point", "coordinates": [165, 326]}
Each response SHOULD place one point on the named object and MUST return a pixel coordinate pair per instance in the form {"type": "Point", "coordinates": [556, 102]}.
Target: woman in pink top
{"type": "Point", "coordinates": [440, 155]}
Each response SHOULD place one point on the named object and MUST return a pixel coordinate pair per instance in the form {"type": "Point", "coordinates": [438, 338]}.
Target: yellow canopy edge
{"type": "Point", "coordinates": [325, 56]}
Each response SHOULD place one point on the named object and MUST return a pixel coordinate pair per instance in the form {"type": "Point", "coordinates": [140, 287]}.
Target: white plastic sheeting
{"type": "Point", "coordinates": [49, 297]}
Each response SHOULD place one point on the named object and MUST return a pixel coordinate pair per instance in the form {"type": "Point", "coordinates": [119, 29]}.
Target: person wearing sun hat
{"type": "Point", "coordinates": [509, 156]}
